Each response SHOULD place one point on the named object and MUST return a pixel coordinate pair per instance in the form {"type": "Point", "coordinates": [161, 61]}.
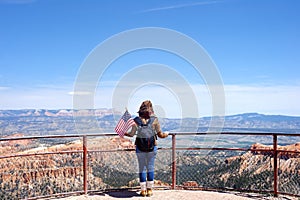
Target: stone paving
{"type": "Point", "coordinates": [174, 195]}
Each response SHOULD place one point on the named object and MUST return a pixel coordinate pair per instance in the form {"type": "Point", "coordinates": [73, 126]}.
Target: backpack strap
{"type": "Point", "coordinates": [139, 121]}
{"type": "Point", "coordinates": [151, 120]}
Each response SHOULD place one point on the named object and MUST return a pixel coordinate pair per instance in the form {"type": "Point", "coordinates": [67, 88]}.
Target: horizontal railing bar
{"type": "Point", "coordinates": [173, 133]}
{"type": "Point", "coordinates": [189, 149]}
{"type": "Point", "coordinates": [39, 154]}
{"type": "Point", "coordinates": [56, 195]}
{"type": "Point", "coordinates": [39, 137]}
{"type": "Point", "coordinates": [230, 189]}
{"type": "Point", "coordinates": [112, 150]}
{"type": "Point", "coordinates": [121, 150]}
{"type": "Point", "coordinates": [242, 190]}
{"type": "Point", "coordinates": [288, 151]}
{"type": "Point", "coordinates": [221, 148]}
{"type": "Point", "coordinates": [59, 136]}
{"type": "Point", "coordinates": [288, 194]}
{"type": "Point", "coordinates": [235, 133]}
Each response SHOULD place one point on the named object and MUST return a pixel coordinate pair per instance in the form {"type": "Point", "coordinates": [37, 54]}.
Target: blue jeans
{"type": "Point", "coordinates": [146, 162]}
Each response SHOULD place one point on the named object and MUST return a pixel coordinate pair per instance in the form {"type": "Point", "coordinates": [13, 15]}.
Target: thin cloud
{"type": "Point", "coordinates": [267, 99]}
{"type": "Point", "coordinates": [179, 6]}
{"type": "Point", "coordinates": [80, 93]}
{"type": "Point", "coordinates": [4, 88]}
{"type": "Point", "coordinates": [275, 99]}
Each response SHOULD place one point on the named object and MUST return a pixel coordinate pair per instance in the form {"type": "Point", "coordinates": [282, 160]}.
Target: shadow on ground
{"type": "Point", "coordinates": [123, 194]}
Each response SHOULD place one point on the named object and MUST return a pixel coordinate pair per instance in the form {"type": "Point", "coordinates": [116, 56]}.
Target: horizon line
{"type": "Point", "coordinates": [226, 115]}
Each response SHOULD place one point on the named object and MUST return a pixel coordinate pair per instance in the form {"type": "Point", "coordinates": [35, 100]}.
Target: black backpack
{"type": "Point", "coordinates": [146, 136]}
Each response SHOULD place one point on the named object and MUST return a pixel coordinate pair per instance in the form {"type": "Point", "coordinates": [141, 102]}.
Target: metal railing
{"type": "Point", "coordinates": [88, 167]}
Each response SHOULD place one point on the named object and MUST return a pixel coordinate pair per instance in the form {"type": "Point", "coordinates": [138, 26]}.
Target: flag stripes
{"type": "Point", "coordinates": [124, 124]}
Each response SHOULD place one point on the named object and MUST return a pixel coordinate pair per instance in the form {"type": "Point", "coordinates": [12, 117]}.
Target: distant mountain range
{"type": "Point", "coordinates": [56, 113]}
{"type": "Point", "coordinates": [69, 121]}
{"type": "Point", "coordinates": [279, 123]}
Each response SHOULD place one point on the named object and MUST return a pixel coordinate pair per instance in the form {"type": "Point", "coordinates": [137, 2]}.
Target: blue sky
{"type": "Point", "coordinates": [255, 45]}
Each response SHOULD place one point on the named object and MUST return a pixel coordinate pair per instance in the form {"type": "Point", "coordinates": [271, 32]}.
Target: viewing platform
{"type": "Point", "coordinates": [188, 166]}
{"type": "Point", "coordinates": [173, 195]}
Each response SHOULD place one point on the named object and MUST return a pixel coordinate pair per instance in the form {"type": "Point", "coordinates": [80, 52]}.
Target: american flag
{"type": "Point", "coordinates": [124, 124]}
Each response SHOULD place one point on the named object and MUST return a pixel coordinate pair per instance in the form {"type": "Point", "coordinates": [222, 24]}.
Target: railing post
{"type": "Point", "coordinates": [174, 161]}
{"type": "Point", "coordinates": [275, 153]}
{"type": "Point", "coordinates": [85, 160]}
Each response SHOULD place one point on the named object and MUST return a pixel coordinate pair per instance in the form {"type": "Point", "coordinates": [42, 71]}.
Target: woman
{"type": "Point", "coordinates": [146, 155]}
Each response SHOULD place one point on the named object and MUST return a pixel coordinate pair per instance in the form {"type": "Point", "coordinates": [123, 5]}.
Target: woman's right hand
{"type": "Point", "coordinates": [167, 133]}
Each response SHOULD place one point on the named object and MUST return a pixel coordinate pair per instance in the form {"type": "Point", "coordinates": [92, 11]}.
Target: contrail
{"type": "Point", "coordinates": [179, 6]}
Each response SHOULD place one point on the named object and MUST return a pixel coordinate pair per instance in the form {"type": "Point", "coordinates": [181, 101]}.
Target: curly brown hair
{"type": "Point", "coordinates": [146, 109]}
